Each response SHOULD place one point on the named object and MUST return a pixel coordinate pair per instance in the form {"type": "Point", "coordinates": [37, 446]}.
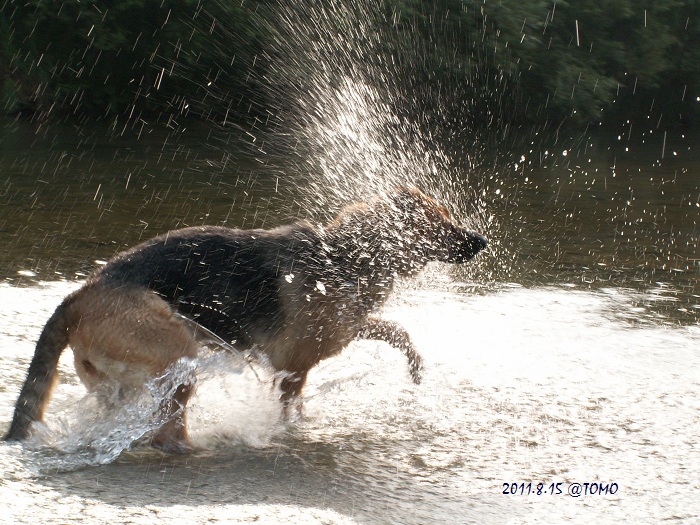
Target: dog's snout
{"type": "Point", "coordinates": [479, 241]}
{"type": "Point", "coordinates": [475, 242]}
{"type": "Point", "coordinates": [465, 245]}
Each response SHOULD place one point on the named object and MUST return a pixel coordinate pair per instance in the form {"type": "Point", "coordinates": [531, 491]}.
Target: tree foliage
{"type": "Point", "coordinates": [118, 57]}
{"type": "Point", "coordinates": [567, 59]}
{"type": "Point", "coordinates": [527, 60]}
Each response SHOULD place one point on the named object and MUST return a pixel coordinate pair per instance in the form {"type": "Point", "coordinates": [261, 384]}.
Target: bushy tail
{"type": "Point", "coordinates": [41, 376]}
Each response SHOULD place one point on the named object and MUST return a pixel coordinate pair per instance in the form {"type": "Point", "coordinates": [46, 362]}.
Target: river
{"type": "Point", "coordinates": [567, 353]}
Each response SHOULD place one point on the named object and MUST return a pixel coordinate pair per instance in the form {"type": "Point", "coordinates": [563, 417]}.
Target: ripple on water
{"type": "Point", "coordinates": [521, 384]}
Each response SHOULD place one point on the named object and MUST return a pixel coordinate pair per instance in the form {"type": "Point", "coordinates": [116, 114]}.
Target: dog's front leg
{"type": "Point", "coordinates": [397, 337]}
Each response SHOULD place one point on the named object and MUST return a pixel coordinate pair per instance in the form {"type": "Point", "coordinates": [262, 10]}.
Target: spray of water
{"type": "Point", "coordinates": [234, 403]}
{"type": "Point", "coordinates": [348, 138]}
{"type": "Point", "coordinates": [359, 113]}
{"type": "Point", "coordinates": [106, 422]}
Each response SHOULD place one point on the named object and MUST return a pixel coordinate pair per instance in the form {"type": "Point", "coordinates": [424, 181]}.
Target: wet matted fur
{"type": "Point", "coordinates": [297, 294]}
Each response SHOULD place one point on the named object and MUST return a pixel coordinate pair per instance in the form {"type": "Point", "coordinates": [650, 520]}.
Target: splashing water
{"type": "Point", "coordinates": [235, 402]}
{"type": "Point", "coordinates": [355, 127]}
{"type": "Point", "coordinates": [105, 423]}
{"type": "Point", "coordinates": [356, 124]}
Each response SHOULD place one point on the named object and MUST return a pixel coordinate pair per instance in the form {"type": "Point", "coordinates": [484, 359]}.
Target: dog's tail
{"type": "Point", "coordinates": [42, 374]}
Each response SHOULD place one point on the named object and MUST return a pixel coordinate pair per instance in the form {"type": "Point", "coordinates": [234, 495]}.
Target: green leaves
{"type": "Point", "coordinates": [106, 57]}
{"type": "Point", "coordinates": [553, 59]}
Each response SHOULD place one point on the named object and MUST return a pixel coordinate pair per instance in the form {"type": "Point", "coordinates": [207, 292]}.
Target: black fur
{"type": "Point", "coordinates": [225, 279]}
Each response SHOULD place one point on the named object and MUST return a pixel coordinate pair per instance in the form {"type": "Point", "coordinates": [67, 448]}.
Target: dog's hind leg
{"type": "Point", "coordinates": [130, 336]}
{"type": "Point", "coordinates": [397, 337]}
{"type": "Point", "coordinates": [172, 436]}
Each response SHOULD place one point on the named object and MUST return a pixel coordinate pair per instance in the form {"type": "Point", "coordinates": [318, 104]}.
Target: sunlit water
{"type": "Point", "coordinates": [546, 384]}
{"type": "Point", "coordinates": [568, 352]}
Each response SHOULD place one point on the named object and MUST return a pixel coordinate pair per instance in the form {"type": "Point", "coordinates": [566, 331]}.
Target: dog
{"type": "Point", "coordinates": [296, 294]}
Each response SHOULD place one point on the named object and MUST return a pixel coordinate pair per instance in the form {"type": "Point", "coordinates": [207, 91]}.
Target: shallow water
{"type": "Point", "coordinates": [566, 354]}
{"type": "Point", "coordinates": [523, 385]}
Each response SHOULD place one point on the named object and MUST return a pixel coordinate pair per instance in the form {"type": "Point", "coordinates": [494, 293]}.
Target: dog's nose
{"type": "Point", "coordinates": [467, 246]}
{"type": "Point", "coordinates": [479, 241]}
{"type": "Point", "coordinates": [475, 243]}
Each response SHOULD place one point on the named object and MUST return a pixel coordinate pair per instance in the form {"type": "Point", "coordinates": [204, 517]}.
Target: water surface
{"type": "Point", "coordinates": [566, 353]}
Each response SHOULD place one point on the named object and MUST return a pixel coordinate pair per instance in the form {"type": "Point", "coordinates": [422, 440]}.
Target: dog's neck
{"type": "Point", "coordinates": [378, 252]}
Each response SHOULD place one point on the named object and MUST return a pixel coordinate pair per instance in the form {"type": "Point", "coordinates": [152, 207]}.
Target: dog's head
{"type": "Point", "coordinates": [402, 231]}
{"type": "Point", "coordinates": [429, 232]}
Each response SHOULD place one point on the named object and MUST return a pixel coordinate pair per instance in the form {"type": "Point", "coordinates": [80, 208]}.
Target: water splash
{"type": "Point", "coordinates": [106, 422]}
{"type": "Point", "coordinates": [361, 113]}
{"type": "Point", "coordinates": [235, 402]}
{"type": "Point", "coordinates": [354, 131]}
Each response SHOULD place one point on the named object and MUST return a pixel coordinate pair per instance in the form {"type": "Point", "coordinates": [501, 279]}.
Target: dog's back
{"type": "Point", "coordinates": [225, 279]}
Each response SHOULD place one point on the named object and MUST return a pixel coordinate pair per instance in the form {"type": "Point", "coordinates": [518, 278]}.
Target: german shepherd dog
{"type": "Point", "coordinates": [296, 294]}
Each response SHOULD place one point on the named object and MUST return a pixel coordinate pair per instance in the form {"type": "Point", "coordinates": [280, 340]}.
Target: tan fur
{"type": "Point", "coordinates": [125, 336]}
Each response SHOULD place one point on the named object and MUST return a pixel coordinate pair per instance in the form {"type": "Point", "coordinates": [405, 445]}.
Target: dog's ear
{"type": "Point", "coordinates": [407, 191]}
{"type": "Point", "coordinates": [410, 199]}
{"type": "Point", "coordinates": [405, 198]}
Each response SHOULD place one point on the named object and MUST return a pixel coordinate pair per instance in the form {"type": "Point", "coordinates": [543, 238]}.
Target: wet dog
{"type": "Point", "coordinates": [296, 294]}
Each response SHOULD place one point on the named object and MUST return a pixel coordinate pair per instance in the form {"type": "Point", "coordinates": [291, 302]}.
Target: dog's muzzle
{"type": "Point", "coordinates": [464, 245]}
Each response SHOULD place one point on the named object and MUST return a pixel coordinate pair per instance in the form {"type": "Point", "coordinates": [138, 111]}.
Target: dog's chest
{"type": "Point", "coordinates": [321, 316]}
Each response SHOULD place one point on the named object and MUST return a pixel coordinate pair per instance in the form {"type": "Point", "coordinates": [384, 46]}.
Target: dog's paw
{"type": "Point", "coordinates": [170, 446]}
